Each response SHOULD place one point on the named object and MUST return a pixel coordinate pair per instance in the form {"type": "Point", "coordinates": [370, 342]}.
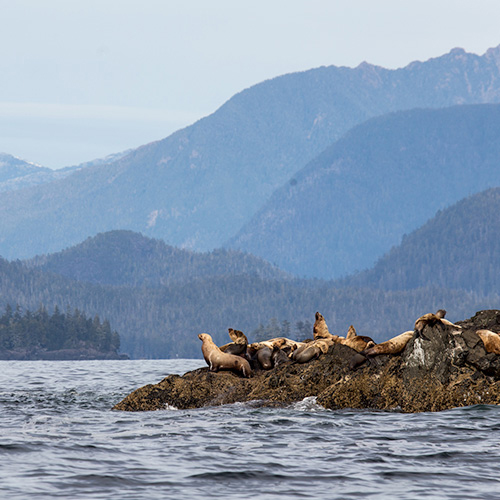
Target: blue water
{"type": "Point", "coordinates": [59, 438]}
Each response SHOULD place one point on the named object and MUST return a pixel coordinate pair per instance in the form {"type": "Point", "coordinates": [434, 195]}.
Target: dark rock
{"type": "Point", "coordinates": [443, 367]}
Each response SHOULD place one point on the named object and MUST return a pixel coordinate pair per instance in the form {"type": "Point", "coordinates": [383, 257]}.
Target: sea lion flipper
{"type": "Point", "coordinates": [237, 336]}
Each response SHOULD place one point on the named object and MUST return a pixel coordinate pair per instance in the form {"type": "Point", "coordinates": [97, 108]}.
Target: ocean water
{"type": "Point", "coordinates": [59, 438]}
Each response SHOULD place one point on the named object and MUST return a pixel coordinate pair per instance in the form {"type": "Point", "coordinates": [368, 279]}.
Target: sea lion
{"type": "Point", "coordinates": [320, 329]}
{"type": "Point", "coordinates": [237, 336]}
{"type": "Point", "coordinates": [264, 357]}
{"type": "Point", "coordinates": [280, 356]}
{"type": "Point", "coordinates": [351, 333]}
{"type": "Point", "coordinates": [391, 346]}
{"type": "Point", "coordinates": [352, 339]}
{"type": "Point", "coordinates": [218, 360]}
{"type": "Point", "coordinates": [262, 352]}
{"type": "Point", "coordinates": [278, 341]}
{"type": "Point", "coordinates": [311, 350]}
{"type": "Point", "coordinates": [233, 348]}
{"type": "Point", "coordinates": [357, 342]}
{"type": "Point", "coordinates": [432, 320]}
{"type": "Point", "coordinates": [429, 319]}
{"type": "Point", "coordinates": [491, 340]}
{"type": "Point", "coordinates": [238, 346]}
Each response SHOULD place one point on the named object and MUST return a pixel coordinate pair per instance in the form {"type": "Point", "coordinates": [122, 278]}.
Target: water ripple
{"type": "Point", "coordinates": [59, 438]}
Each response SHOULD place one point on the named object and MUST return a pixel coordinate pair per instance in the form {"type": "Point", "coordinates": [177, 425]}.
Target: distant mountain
{"type": "Point", "coordinates": [199, 186]}
{"type": "Point", "coordinates": [128, 258]}
{"type": "Point", "coordinates": [18, 174]}
{"type": "Point", "coordinates": [12, 168]}
{"type": "Point", "coordinates": [459, 248]}
{"type": "Point", "coordinates": [383, 179]}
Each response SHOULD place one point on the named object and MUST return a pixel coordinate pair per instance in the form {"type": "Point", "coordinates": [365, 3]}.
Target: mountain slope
{"type": "Point", "coordinates": [459, 248]}
{"type": "Point", "coordinates": [197, 187]}
{"type": "Point", "coordinates": [128, 258]}
{"type": "Point", "coordinates": [383, 179]}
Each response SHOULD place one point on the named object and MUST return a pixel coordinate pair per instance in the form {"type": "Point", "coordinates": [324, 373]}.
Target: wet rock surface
{"type": "Point", "coordinates": [443, 367]}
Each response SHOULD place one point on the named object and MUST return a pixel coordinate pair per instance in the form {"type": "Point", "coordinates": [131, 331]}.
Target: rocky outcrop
{"type": "Point", "coordinates": [442, 367]}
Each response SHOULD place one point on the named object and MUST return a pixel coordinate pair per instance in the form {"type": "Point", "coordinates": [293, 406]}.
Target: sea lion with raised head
{"type": "Point", "coordinates": [357, 342]}
{"type": "Point", "coordinates": [218, 360]}
{"type": "Point", "coordinates": [239, 343]}
{"type": "Point", "coordinates": [391, 346]}
{"type": "Point", "coordinates": [351, 333]}
{"type": "Point", "coordinates": [491, 341]}
{"type": "Point", "coordinates": [320, 329]}
{"type": "Point", "coordinates": [352, 339]}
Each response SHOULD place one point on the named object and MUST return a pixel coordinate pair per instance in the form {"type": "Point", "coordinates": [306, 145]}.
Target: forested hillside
{"type": "Point", "coordinates": [198, 187]}
{"type": "Point", "coordinates": [128, 258]}
{"type": "Point", "coordinates": [60, 335]}
{"type": "Point", "coordinates": [459, 248]}
{"type": "Point", "coordinates": [383, 179]}
{"type": "Point", "coordinates": [164, 321]}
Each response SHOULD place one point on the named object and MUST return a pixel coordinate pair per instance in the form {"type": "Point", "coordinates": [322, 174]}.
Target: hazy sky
{"type": "Point", "coordinates": [80, 79]}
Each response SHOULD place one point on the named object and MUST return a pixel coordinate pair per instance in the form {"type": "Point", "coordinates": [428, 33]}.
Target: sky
{"type": "Point", "coordinates": [81, 79]}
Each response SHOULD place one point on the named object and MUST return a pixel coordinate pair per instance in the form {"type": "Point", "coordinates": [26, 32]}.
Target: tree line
{"type": "Point", "coordinates": [39, 330]}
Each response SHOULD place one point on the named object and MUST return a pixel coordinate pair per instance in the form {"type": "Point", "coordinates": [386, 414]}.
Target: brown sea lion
{"type": "Point", "coordinates": [391, 346]}
{"type": "Point", "coordinates": [432, 320]}
{"type": "Point", "coordinates": [320, 329]}
{"type": "Point", "coordinates": [260, 353]}
{"type": "Point", "coordinates": [357, 342]}
{"type": "Point", "coordinates": [278, 341]}
{"type": "Point", "coordinates": [280, 356]}
{"type": "Point", "coordinates": [218, 360]}
{"type": "Point", "coordinates": [264, 357]}
{"type": "Point", "coordinates": [238, 346]}
{"type": "Point", "coordinates": [352, 339]}
{"type": "Point", "coordinates": [351, 333]}
{"type": "Point", "coordinates": [233, 348]}
{"type": "Point", "coordinates": [311, 350]}
{"type": "Point", "coordinates": [491, 340]}
{"type": "Point", "coordinates": [237, 336]}
{"type": "Point", "coordinates": [429, 319]}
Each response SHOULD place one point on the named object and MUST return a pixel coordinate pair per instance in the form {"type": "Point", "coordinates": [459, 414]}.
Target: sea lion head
{"type": "Point", "coordinates": [351, 333]}
{"type": "Point", "coordinates": [279, 343]}
{"type": "Point", "coordinates": [320, 328]}
{"type": "Point", "coordinates": [237, 336]}
{"type": "Point", "coordinates": [204, 336]}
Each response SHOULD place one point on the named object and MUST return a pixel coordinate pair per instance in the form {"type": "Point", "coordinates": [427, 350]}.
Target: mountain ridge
{"type": "Point", "coordinates": [122, 257]}
{"type": "Point", "coordinates": [382, 179]}
{"type": "Point", "coordinates": [199, 186]}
